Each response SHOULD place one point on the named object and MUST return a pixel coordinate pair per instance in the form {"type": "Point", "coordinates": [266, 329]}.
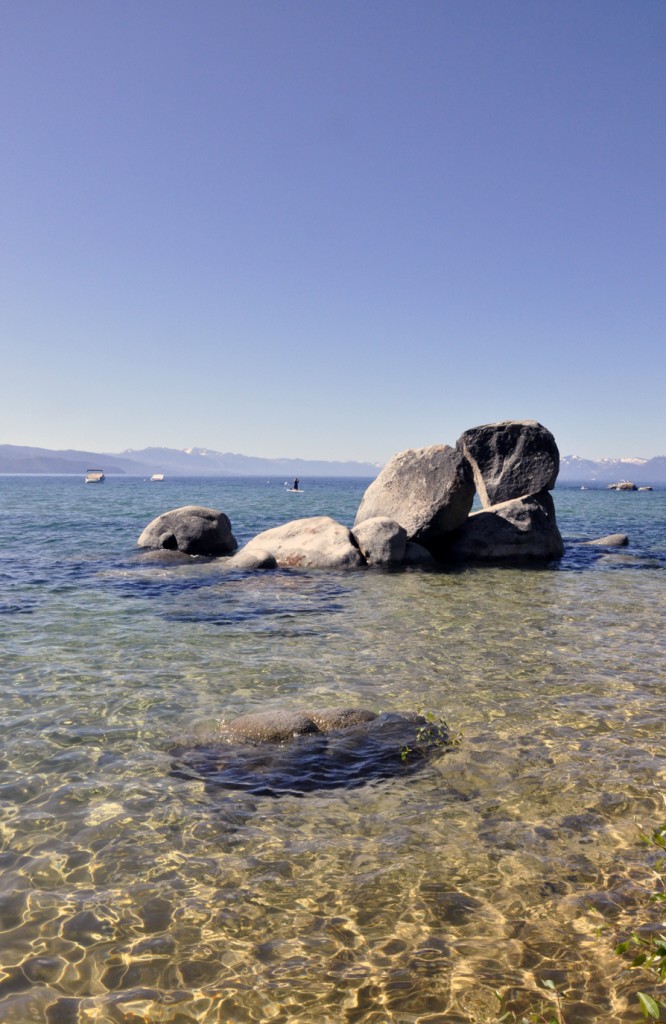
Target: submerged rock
{"type": "Point", "coordinates": [327, 719]}
{"type": "Point", "coordinates": [275, 753]}
{"type": "Point", "coordinates": [270, 726]}
{"type": "Point", "coordinates": [163, 556]}
{"type": "Point", "coordinates": [417, 555]}
{"type": "Point", "coordinates": [629, 561]}
{"type": "Point", "coordinates": [191, 529]}
{"type": "Point", "coordinates": [613, 540]}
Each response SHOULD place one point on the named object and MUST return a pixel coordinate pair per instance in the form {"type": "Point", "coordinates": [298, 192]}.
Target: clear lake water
{"type": "Point", "coordinates": [129, 893]}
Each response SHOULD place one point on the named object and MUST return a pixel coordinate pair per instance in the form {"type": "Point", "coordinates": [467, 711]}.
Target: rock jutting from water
{"type": "Point", "coordinates": [317, 542]}
{"type": "Point", "coordinates": [381, 541]}
{"type": "Point", "coordinates": [510, 459]}
{"type": "Point", "coordinates": [280, 752]}
{"type": "Point", "coordinates": [416, 513]}
{"type": "Point", "coordinates": [191, 529]}
{"type": "Point", "coordinates": [520, 529]}
{"type": "Point", "coordinates": [428, 491]}
{"type": "Point", "coordinates": [253, 558]}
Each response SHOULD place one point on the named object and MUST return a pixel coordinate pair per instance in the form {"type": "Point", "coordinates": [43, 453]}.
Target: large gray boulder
{"type": "Point", "coordinates": [381, 541]}
{"type": "Point", "coordinates": [191, 529]}
{"type": "Point", "coordinates": [518, 530]}
{"type": "Point", "coordinates": [317, 542]}
{"type": "Point", "coordinates": [510, 459]}
{"type": "Point", "coordinates": [428, 491]}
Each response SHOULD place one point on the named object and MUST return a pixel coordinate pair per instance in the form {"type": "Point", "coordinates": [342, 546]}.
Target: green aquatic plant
{"type": "Point", "coordinates": [649, 956]}
{"type": "Point", "coordinates": [433, 731]}
{"type": "Point", "coordinates": [545, 1011]}
{"type": "Point", "coordinates": [650, 950]}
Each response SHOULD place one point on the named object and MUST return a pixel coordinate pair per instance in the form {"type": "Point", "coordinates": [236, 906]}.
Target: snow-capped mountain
{"type": "Point", "coordinates": [574, 469]}
{"type": "Point", "coordinates": [172, 462]}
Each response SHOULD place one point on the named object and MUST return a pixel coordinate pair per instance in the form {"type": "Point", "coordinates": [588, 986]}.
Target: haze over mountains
{"type": "Point", "coordinates": [171, 462]}
{"type": "Point", "coordinates": [205, 462]}
{"type": "Point", "coordinates": [573, 469]}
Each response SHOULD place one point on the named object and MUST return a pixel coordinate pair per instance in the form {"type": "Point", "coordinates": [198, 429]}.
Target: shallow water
{"type": "Point", "coordinates": [130, 894]}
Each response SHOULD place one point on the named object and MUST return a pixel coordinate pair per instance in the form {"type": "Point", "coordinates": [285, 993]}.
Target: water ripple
{"type": "Point", "coordinates": [129, 892]}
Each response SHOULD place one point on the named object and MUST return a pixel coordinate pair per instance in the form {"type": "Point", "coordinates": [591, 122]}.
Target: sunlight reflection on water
{"type": "Point", "coordinates": [128, 894]}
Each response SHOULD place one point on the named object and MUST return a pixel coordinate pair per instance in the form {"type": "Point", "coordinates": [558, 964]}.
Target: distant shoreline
{"type": "Point", "coordinates": [205, 463]}
{"type": "Point", "coordinates": [199, 462]}
{"type": "Point", "coordinates": [279, 478]}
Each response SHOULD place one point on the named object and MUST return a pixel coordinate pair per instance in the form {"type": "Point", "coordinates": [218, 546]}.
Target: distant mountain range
{"type": "Point", "coordinates": [171, 462]}
{"type": "Point", "coordinates": [205, 462]}
{"type": "Point", "coordinates": [573, 469]}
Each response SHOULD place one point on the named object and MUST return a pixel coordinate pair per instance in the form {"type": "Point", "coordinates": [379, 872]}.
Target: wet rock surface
{"type": "Point", "coordinates": [270, 726]}
{"type": "Point", "coordinates": [254, 558]}
{"type": "Point", "coordinates": [613, 540]}
{"type": "Point", "coordinates": [417, 555]}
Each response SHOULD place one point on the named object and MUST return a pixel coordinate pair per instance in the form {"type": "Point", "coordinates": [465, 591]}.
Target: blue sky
{"type": "Point", "coordinates": [332, 229]}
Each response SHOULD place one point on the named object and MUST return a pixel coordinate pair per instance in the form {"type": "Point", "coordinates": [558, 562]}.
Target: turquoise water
{"type": "Point", "coordinates": [130, 894]}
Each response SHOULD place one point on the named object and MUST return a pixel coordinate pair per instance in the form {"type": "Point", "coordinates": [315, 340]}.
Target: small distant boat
{"type": "Point", "coordinates": [94, 476]}
{"type": "Point", "coordinates": [623, 485]}
{"type": "Point", "coordinates": [583, 488]}
{"type": "Point", "coordinates": [644, 488]}
{"type": "Point", "coordinates": [157, 477]}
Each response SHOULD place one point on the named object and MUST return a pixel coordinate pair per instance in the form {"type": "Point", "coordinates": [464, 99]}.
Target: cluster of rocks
{"type": "Point", "coordinates": [417, 512]}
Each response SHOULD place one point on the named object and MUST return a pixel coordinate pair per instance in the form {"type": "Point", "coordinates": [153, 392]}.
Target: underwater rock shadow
{"type": "Point", "coordinates": [387, 746]}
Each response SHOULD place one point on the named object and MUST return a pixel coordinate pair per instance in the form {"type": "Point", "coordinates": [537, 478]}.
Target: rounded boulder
{"type": "Point", "coordinates": [521, 530]}
{"type": "Point", "coordinates": [317, 542]}
{"type": "Point", "coordinates": [192, 529]}
{"type": "Point", "coordinates": [428, 491]}
{"type": "Point", "coordinates": [510, 459]}
{"type": "Point", "coordinates": [381, 541]}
